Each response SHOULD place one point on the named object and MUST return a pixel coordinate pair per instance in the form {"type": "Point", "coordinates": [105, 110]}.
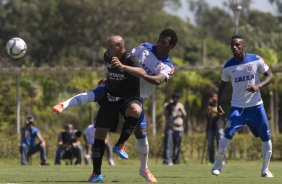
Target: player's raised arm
{"type": "Point", "coordinates": [135, 70]}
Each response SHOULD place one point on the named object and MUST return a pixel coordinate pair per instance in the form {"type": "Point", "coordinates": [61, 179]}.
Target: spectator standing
{"type": "Point", "coordinates": [213, 126]}
{"type": "Point", "coordinates": [175, 115]}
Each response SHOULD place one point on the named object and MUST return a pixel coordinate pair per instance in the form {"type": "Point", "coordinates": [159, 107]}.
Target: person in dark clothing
{"type": "Point", "coordinates": [69, 145]}
{"type": "Point", "coordinates": [122, 96]}
{"type": "Point", "coordinates": [212, 129]}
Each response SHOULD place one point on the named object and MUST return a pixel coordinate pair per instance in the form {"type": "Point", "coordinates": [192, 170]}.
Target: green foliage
{"type": "Point", "coordinates": [73, 33]}
{"type": "Point", "coordinates": [242, 146]}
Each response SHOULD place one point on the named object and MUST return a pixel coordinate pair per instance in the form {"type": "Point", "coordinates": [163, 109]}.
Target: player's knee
{"type": "Point", "coordinates": [99, 92]}
{"type": "Point", "coordinates": [101, 133]}
{"type": "Point", "coordinates": [228, 134]}
{"type": "Point", "coordinates": [134, 110]}
{"type": "Point", "coordinates": [265, 138]}
{"type": "Point", "coordinates": [140, 133]}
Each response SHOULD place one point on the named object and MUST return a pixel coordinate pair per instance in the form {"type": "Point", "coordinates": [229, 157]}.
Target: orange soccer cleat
{"type": "Point", "coordinates": [58, 108]}
{"type": "Point", "coordinates": [148, 176]}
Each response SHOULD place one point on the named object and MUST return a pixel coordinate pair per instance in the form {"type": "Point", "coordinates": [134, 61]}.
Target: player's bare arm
{"type": "Point", "coordinates": [136, 71]}
{"type": "Point", "coordinates": [221, 89]}
{"type": "Point", "coordinates": [157, 79]}
{"type": "Point", "coordinates": [268, 78]}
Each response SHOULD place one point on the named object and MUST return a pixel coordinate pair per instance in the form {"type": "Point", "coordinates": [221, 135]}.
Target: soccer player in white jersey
{"type": "Point", "coordinates": [246, 105]}
{"type": "Point", "coordinates": [159, 67]}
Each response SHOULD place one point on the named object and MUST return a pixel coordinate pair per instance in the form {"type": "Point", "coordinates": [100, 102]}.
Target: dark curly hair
{"type": "Point", "coordinates": [237, 37]}
{"type": "Point", "coordinates": [171, 33]}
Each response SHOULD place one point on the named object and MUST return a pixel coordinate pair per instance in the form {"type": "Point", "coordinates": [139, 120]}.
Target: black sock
{"type": "Point", "coordinates": [98, 150]}
{"type": "Point", "coordinates": [127, 129]}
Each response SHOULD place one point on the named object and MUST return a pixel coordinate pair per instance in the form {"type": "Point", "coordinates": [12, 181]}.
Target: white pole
{"type": "Point", "coordinates": [18, 104]}
{"type": "Point", "coordinates": [154, 114]}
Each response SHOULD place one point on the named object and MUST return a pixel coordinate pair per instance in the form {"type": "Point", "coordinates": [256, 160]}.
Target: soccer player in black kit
{"type": "Point", "coordinates": [123, 96]}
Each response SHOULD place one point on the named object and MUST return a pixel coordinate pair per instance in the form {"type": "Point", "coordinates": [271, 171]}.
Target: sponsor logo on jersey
{"type": "Point", "coordinates": [112, 98]}
{"type": "Point", "coordinates": [159, 66]}
{"type": "Point", "coordinates": [249, 67]}
{"type": "Point", "coordinates": [244, 78]}
{"type": "Point", "coordinates": [116, 76]}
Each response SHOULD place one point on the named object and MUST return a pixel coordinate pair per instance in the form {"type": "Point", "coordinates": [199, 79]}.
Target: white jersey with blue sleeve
{"type": "Point", "coordinates": [241, 74]}
{"type": "Point", "coordinates": [152, 65]}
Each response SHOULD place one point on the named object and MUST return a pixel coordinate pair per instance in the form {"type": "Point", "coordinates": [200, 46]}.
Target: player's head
{"type": "Point", "coordinates": [167, 40]}
{"type": "Point", "coordinates": [238, 46]}
{"type": "Point", "coordinates": [29, 119]}
{"type": "Point", "coordinates": [115, 46]}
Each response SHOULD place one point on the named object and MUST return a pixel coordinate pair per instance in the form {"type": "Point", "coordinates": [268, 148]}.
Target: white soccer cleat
{"type": "Point", "coordinates": [267, 174]}
{"type": "Point", "coordinates": [215, 172]}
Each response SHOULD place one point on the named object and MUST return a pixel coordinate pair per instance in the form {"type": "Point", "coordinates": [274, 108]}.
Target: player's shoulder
{"type": "Point", "coordinates": [148, 46]}
{"type": "Point", "coordinates": [249, 57]}
{"type": "Point", "coordinates": [230, 62]}
{"type": "Point", "coordinates": [130, 57]}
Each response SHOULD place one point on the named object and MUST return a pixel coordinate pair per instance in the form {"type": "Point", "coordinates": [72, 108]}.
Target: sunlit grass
{"type": "Point", "coordinates": [243, 172]}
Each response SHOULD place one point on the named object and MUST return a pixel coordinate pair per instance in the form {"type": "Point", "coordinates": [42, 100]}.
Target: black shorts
{"type": "Point", "coordinates": [108, 113]}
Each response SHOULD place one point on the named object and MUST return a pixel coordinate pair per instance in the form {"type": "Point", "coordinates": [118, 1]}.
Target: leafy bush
{"type": "Point", "coordinates": [243, 146]}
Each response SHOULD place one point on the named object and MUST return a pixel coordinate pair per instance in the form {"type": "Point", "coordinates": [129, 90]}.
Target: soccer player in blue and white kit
{"type": "Point", "coordinates": [246, 105]}
{"type": "Point", "coordinates": [158, 65]}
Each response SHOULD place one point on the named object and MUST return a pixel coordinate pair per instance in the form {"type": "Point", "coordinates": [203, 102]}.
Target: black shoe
{"type": "Point", "coordinates": [176, 162]}
{"type": "Point", "coordinates": [44, 163]}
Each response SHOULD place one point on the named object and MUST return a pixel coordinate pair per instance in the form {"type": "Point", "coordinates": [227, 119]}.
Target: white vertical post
{"type": "Point", "coordinates": [18, 104]}
{"type": "Point", "coordinates": [236, 8]}
{"type": "Point", "coordinates": [154, 114]}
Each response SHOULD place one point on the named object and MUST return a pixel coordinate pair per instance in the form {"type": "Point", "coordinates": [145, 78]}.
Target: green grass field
{"type": "Point", "coordinates": [235, 172]}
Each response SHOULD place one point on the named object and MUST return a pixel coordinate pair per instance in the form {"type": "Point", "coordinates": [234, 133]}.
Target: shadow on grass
{"type": "Point", "coordinates": [54, 181]}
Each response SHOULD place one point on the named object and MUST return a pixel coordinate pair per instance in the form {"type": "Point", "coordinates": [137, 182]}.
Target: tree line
{"type": "Point", "coordinates": [73, 33]}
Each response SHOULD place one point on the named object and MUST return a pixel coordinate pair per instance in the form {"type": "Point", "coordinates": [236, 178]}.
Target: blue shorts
{"type": "Point", "coordinates": [255, 117]}
{"type": "Point", "coordinates": [100, 92]}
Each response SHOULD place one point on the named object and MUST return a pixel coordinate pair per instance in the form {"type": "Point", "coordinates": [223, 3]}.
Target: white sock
{"type": "Point", "coordinates": [80, 99]}
{"type": "Point", "coordinates": [266, 148]}
{"type": "Point", "coordinates": [142, 146]}
{"type": "Point", "coordinates": [222, 148]}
